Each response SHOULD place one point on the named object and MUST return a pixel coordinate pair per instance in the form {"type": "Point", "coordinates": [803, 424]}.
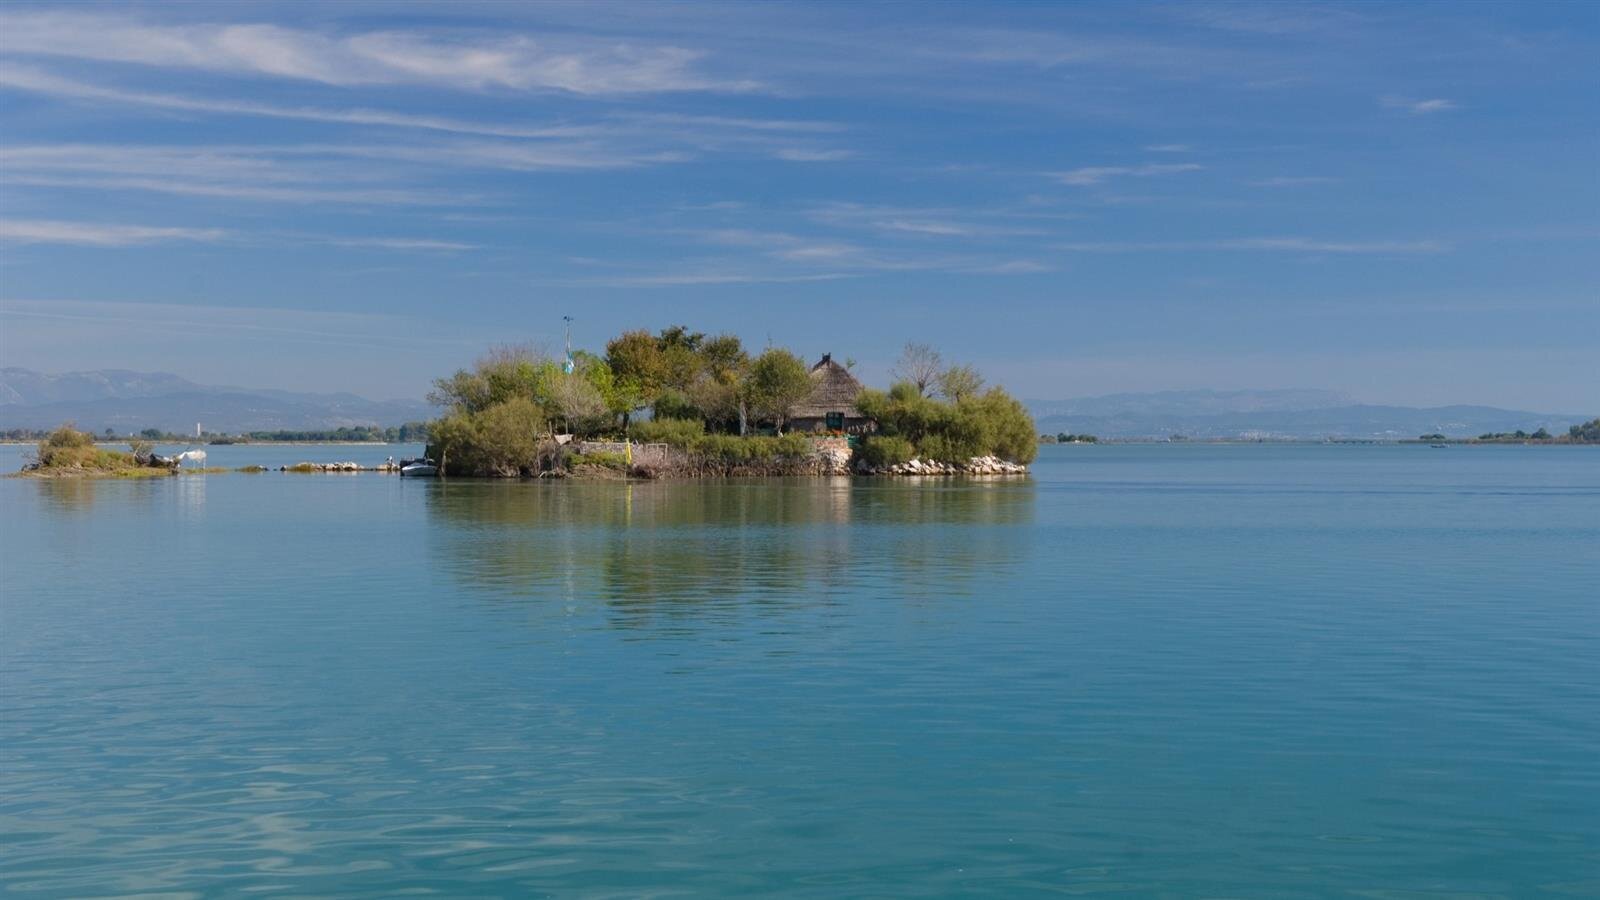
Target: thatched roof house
{"type": "Point", "coordinates": [832, 404]}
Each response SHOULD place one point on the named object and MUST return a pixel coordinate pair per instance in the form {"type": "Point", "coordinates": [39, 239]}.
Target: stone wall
{"type": "Point", "coordinates": [643, 454]}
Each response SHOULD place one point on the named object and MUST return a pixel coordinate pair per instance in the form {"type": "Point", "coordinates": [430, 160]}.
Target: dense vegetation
{"type": "Point", "coordinates": [706, 396]}
{"type": "Point", "coordinates": [1585, 433]}
{"type": "Point", "coordinates": [409, 433]}
{"type": "Point", "coordinates": [1067, 437]}
{"type": "Point", "coordinates": [950, 430]}
{"type": "Point", "coordinates": [1518, 435]}
{"type": "Point", "coordinates": [68, 451]}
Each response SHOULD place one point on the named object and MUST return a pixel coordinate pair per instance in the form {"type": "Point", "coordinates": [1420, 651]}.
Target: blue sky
{"type": "Point", "coordinates": [1397, 201]}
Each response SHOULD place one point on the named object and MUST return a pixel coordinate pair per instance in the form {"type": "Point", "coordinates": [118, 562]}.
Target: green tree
{"type": "Point", "coordinates": [502, 439]}
{"type": "Point", "coordinates": [960, 383]}
{"type": "Point", "coordinates": [993, 423]}
{"type": "Point", "coordinates": [681, 357]}
{"type": "Point", "coordinates": [719, 391]}
{"type": "Point", "coordinates": [778, 380]}
{"type": "Point", "coordinates": [638, 368]}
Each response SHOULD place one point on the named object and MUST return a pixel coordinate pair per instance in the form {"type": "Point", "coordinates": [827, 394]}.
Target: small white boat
{"type": "Point", "coordinates": [420, 468]}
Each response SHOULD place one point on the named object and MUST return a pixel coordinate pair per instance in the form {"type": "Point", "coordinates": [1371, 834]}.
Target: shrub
{"type": "Point", "coordinates": [68, 448]}
{"type": "Point", "coordinates": [601, 458]}
{"type": "Point", "coordinates": [675, 404]}
{"type": "Point", "coordinates": [677, 432]}
{"type": "Point", "coordinates": [302, 467]}
{"type": "Point", "coordinates": [791, 446]}
{"type": "Point", "coordinates": [884, 450]}
{"type": "Point", "coordinates": [954, 432]}
{"type": "Point", "coordinates": [1008, 426]}
{"type": "Point", "coordinates": [728, 449]}
{"type": "Point", "coordinates": [66, 437]}
{"type": "Point", "coordinates": [504, 439]}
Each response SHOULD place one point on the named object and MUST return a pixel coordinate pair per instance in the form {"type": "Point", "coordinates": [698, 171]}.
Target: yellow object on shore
{"type": "Point", "coordinates": [627, 450]}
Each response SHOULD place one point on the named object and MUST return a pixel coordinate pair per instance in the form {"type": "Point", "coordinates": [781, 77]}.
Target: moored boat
{"type": "Point", "coordinates": [419, 468]}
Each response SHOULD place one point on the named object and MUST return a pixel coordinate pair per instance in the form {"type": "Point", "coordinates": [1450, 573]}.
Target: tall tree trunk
{"type": "Point", "coordinates": [744, 419]}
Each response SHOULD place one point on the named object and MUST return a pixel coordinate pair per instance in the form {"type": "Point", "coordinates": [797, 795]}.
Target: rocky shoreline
{"type": "Point", "coordinates": [978, 465]}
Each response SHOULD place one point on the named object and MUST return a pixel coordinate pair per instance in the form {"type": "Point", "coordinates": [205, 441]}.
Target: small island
{"type": "Point", "coordinates": [682, 403]}
{"type": "Point", "coordinates": [69, 453]}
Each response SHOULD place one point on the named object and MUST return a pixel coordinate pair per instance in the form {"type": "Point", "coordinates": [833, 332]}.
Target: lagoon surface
{"type": "Point", "coordinates": [1159, 670]}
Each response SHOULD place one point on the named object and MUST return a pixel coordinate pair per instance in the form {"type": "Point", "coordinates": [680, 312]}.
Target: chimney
{"type": "Point", "coordinates": [827, 358]}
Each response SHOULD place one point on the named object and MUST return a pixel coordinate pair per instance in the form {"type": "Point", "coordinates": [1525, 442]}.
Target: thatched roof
{"type": "Point", "coordinates": [833, 389]}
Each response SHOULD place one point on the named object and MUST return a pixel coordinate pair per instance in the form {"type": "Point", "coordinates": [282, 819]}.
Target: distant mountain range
{"type": "Point", "coordinates": [131, 401]}
{"type": "Point", "coordinates": [1277, 414]}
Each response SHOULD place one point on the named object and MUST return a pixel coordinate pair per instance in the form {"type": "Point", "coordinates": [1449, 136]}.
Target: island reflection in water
{"type": "Point", "coordinates": [697, 548]}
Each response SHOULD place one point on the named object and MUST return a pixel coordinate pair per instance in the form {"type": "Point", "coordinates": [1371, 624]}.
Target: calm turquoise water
{"type": "Point", "coordinates": [1245, 671]}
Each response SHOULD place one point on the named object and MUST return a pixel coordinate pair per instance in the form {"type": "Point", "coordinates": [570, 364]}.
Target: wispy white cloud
{"type": "Point", "coordinates": [95, 234]}
{"type": "Point", "coordinates": [1291, 181]}
{"type": "Point", "coordinates": [1092, 175]}
{"type": "Point", "coordinates": [708, 277]}
{"type": "Point", "coordinates": [925, 221]}
{"type": "Point", "coordinates": [391, 243]}
{"type": "Point", "coordinates": [808, 154]}
{"type": "Point", "coordinates": [557, 62]}
{"type": "Point", "coordinates": [183, 188]}
{"type": "Point", "coordinates": [923, 226]}
{"type": "Point", "coordinates": [378, 174]}
{"type": "Point", "coordinates": [33, 80]}
{"type": "Point", "coordinates": [1282, 244]}
{"type": "Point", "coordinates": [1417, 107]}
{"type": "Point", "coordinates": [657, 126]}
{"type": "Point", "coordinates": [1012, 267]}
{"type": "Point", "coordinates": [1167, 148]}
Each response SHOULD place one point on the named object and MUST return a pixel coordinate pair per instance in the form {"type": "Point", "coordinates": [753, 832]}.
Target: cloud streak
{"type": "Point", "coordinates": [1418, 107]}
{"type": "Point", "coordinates": [1093, 175]}
{"type": "Point", "coordinates": [93, 234]}
{"type": "Point", "coordinates": [32, 80]}
{"type": "Point", "coordinates": [464, 61]}
{"type": "Point", "coordinates": [1269, 244]}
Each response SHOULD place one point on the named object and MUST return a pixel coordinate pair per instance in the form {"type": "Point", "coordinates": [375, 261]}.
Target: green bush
{"type": "Point", "coordinates": [601, 458]}
{"type": "Point", "coordinates": [675, 404]}
{"type": "Point", "coordinates": [992, 423]}
{"type": "Point", "coordinates": [884, 450]}
{"type": "Point", "coordinates": [68, 448]}
{"type": "Point", "coordinates": [722, 453]}
{"type": "Point", "coordinates": [728, 449]}
{"type": "Point", "coordinates": [504, 439]}
{"type": "Point", "coordinates": [66, 437]}
{"type": "Point", "coordinates": [677, 432]}
{"type": "Point", "coordinates": [791, 446]}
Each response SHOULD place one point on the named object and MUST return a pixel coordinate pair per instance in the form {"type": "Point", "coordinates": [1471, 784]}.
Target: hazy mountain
{"type": "Point", "coordinates": [1277, 414]}
{"type": "Point", "coordinates": [130, 401]}
{"type": "Point", "coordinates": [1191, 403]}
